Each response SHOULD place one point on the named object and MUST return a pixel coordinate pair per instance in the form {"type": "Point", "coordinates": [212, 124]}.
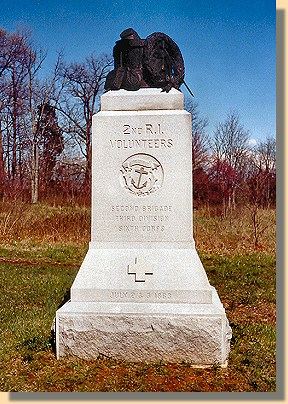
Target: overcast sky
{"type": "Point", "coordinates": [228, 46]}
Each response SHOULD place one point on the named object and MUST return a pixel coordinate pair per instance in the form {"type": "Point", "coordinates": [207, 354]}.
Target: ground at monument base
{"type": "Point", "coordinates": [197, 333]}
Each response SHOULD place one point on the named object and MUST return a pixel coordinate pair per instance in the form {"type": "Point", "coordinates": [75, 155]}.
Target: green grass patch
{"type": "Point", "coordinates": [243, 279]}
{"type": "Point", "coordinates": [43, 253]}
{"type": "Point", "coordinates": [32, 290]}
{"type": "Point", "coordinates": [30, 295]}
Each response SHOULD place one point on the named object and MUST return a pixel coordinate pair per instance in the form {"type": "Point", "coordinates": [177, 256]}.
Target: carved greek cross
{"type": "Point", "coordinates": [140, 269]}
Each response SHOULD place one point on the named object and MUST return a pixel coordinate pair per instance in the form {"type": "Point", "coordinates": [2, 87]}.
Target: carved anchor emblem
{"type": "Point", "coordinates": [142, 174]}
{"type": "Point", "coordinates": [140, 269]}
{"type": "Point", "coordinates": [141, 171]}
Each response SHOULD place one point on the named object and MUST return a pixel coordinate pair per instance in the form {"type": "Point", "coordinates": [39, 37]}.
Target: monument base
{"type": "Point", "coordinates": [197, 333]}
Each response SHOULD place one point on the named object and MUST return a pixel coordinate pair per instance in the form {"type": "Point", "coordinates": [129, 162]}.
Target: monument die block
{"type": "Point", "coordinates": [142, 183]}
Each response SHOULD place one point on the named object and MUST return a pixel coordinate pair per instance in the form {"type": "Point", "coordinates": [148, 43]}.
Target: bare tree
{"type": "Point", "coordinates": [2, 165]}
{"type": "Point", "coordinates": [260, 185]}
{"type": "Point", "coordinates": [230, 149]}
{"type": "Point", "coordinates": [3, 65]}
{"type": "Point", "coordinates": [27, 140]}
{"type": "Point", "coordinates": [24, 97]}
{"type": "Point", "coordinates": [200, 152]}
{"type": "Point", "coordinates": [6, 55]}
{"type": "Point", "coordinates": [83, 83]}
{"type": "Point", "coordinates": [41, 122]}
{"type": "Point", "coordinates": [266, 159]}
{"type": "Point", "coordinates": [15, 55]}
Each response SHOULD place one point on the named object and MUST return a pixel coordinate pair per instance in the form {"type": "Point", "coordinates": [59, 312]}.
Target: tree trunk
{"type": "Point", "coordinates": [35, 174]}
{"type": "Point", "coordinates": [88, 169]}
{"type": "Point", "coordinates": [14, 150]}
{"type": "Point", "coordinates": [268, 192]}
{"type": "Point", "coordinates": [14, 129]}
{"type": "Point", "coordinates": [224, 205]}
{"type": "Point", "coordinates": [2, 166]}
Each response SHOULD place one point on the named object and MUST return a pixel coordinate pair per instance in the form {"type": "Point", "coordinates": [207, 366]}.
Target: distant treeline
{"type": "Point", "coordinates": [46, 128]}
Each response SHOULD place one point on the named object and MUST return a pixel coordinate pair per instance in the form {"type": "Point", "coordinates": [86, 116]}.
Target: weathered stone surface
{"type": "Point", "coordinates": [197, 333]}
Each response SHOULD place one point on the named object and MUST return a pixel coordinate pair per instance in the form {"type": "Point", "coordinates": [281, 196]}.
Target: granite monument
{"type": "Point", "coordinates": [142, 293]}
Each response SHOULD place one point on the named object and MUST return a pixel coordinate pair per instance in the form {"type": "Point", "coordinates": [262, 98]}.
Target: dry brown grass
{"type": "Point", "coordinates": [235, 235]}
{"type": "Point", "coordinates": [21, 221]}
{"type": "Point", "coordinates": [43, 223]}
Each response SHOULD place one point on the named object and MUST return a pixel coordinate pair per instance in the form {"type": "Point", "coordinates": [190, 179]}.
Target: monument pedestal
{"type": "Point", "coordinates": [142, 293]}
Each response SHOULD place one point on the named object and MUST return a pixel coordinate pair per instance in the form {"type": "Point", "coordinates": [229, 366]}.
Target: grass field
{"type": "Point", "coordinates": [41, 249]}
